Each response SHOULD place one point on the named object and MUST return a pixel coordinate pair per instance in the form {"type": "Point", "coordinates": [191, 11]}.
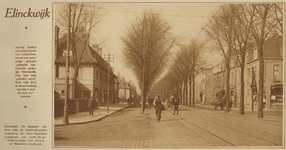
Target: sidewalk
{"type": "Point", "coordinates": [84, 117]}
{"type": "Point", "coordinates": [246, 108]}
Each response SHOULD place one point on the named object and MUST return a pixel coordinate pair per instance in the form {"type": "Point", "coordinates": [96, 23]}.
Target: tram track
{"type": "Point", "coordinates": [253, 134]}
{"type": "Point", "coordinates": [200, 122]}
{"type": "Point", "coordinates": [207, 133]}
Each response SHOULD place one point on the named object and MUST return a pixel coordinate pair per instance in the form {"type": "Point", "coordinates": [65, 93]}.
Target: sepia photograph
{"type": "Point", "coordinates": [167, 75]}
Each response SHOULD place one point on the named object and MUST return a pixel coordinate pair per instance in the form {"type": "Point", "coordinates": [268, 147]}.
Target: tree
{"type": "Point", "coordinates": [243, 15]}
{"type": "Point", "coordinates": [84, 18]}
{"type": "Point", "coordinates": [262, 26]}
{"type": "Point", "coordinates": [220, 31]}
{"type": "Point", "coordinates": [190, 58]}
{"type": "Point", "coordinates": [146, 48]}
{"type": "Point", "coordinates": [278, 10]}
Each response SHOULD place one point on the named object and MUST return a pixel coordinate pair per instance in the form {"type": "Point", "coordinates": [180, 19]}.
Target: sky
{"type": "Point", "coordinates": [186, 19]}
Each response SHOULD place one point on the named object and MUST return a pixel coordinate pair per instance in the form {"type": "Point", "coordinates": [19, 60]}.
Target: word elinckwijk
{"type": "Point", "coordinates": [14, 13]}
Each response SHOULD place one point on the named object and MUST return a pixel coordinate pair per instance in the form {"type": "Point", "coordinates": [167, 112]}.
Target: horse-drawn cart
{"type": "Point", "coordinates": [220, 101]}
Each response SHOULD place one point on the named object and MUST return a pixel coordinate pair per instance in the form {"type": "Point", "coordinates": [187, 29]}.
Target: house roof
{"type": "Point", "coordinates": [82, 49]}
{"type": "Point", "coordinates": [121, 83]}
{"type": "Point", "coordinates": [89, 55]}
{"type": "Point", "coordinates": [273, 46]}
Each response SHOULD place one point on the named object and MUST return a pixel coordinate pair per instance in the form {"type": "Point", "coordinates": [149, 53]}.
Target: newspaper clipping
{"type": "Point", "coordinates": [142, 74]}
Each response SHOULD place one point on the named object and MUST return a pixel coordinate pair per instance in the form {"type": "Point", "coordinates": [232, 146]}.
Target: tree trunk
{"type": "Point", "coordinates": [261, 68]}
{"type": "Point", "coordinates": [142, 94]}
{"type": "Point", "coordinates": [74, 84]}
{"type": "Point", "coordinates": [186, 93]}
{"type": "Point", "coordinates": [193, 88]}
{"type": "Point", "coordinates": [227, 87]}
{"type": "Point", "coordinates": [183, 94]}
{"type": "Point", "coordinates": [241, 107]}
{"type": "Point", "coordinates": [190, 91]}
{"type": "Point", "coordinates": [260, 92]}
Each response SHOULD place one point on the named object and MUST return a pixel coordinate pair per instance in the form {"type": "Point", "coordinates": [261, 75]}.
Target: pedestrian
{"type": "Point", "coordinates": [150, 101]}
{"type": "Point", "coordinates": [171, 102]}
{"type": "Point", "coordinates": [91, 106]}
{"type": "Point", "coordinates": [158, 103]}
{"type": "Point", "coordinates": [176, 106]}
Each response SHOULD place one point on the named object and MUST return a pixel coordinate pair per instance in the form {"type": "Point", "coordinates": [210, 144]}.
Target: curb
{"type": "Point", "coordinates": [98, 119]}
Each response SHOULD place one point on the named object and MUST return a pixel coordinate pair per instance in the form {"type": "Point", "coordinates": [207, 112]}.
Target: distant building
{"type": "Point", "coordinates": [206, 93]}
{"type": "Point", "coordinates": [122, 90]}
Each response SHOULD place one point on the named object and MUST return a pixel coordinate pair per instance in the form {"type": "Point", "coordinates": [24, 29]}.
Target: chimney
{"type": "Point", "coordinates": [57, 30]}
{"type": "Point", "coordinates": [97, 49]}
{"type": "Point", "coordinates": [100, 51]}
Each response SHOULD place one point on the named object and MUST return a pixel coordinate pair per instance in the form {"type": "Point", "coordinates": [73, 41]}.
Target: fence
{"type": "Point", "coordinates": [74, 106]}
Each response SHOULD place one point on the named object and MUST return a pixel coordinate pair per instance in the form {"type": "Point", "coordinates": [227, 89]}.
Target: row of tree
{"type": "Point", "coordinates": [148, 43]}
{"type": "Point", "coordinates": [237, 27]}
{"type": "Point", "coordinates": [146, 48]}
{"type": "Point", "coordinates": [185, 65]}
{"type": "Point", "coordinates": [233, 29]}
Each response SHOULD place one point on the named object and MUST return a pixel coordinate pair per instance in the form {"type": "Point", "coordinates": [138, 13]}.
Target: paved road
{"type": "Point", "coordinates": [193, 127]}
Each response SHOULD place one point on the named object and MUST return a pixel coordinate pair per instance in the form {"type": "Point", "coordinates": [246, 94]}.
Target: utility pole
{"type": "Point", "coordinates": [107, 57]}
{"type": "Point", "coordinates": [66, 121]}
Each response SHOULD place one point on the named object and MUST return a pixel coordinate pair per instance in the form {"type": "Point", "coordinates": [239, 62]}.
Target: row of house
{"type": "Point", "coordinates": [127, 90]}
{"type": "Point", "coordinates": [92, 79]}
{"type": "Point", "coordinates": [213, 79]}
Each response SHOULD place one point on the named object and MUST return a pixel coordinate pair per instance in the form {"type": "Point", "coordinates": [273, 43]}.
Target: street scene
{"type": "Point", "coordinates": [168, 75]}
{"type": "Point", "coordinates": [193, 127]}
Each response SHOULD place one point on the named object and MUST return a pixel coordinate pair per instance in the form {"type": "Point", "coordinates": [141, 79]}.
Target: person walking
{"type": "Point", "coordinates": [91, 106]}
{"type": "Point", "coordinates": [171, 102]}
{"type": "Point", "coordinates": [176, 106]}
{"type": "Point", "coordinates": [150, 101]}
{"type": "Point", "coordinates": [158, 103]}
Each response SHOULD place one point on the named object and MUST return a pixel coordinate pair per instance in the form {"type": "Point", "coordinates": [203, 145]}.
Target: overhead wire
{"type": "Point", "coordinates": [168, 15]}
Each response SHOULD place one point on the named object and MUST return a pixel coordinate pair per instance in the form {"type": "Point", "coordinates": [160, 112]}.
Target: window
{"type": "Point", "coordinates": [62, 72]}
{"type": "Point", "coordinates": [235, 78]}
{"type": "Point", "coordinates": [248, 72]}
{"type": "Point", "coordinates": [255, 54]}
{"type": "Point", "coordinates": [96, 74]}
{"type": "Point", "coordinates": [254, 70]}
{"type": "Point", "coordinates": [232, 78]}
{"type": "Point", "coordinates": [238, 76]}
{"type": "Point", "coordinates": [80, 73]}
{"type": "Point", "coordinates": [63, 92]}
{"type": "Point", "coordinates": [65, 53]}
{"type": "Point", "coordinates": [57, 71]}
{"type": "Point", "coordinates": [276, 72]}
{"type": "Point", "coordinates": [232, 63]}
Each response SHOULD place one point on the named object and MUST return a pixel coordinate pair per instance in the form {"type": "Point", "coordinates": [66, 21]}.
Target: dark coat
{"type": "Point", "coordinates": [150, 100]}
{"type": "Point", "coordinates": [176, 103]}
{"type": "Point", "coordinates": [91, 103]}
{"type": "Point", "coordinates": [157, 102]}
